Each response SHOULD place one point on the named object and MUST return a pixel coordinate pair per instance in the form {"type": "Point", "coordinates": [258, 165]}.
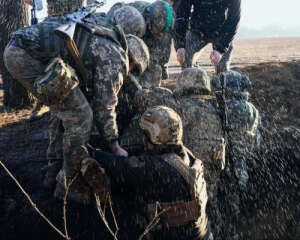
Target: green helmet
{"type": "Point", "coordinates": [193, 81]}
{"type": "Point", "coordinates": [62, 7]}
{"type": "Point", "coordinates": [162, 125]}
{"type": "Point", "coordinates": [138, 52]}
{"type": "Point", "coordinates": [131, 20]}
{"type": "Point", "coordinates": [161, 15]}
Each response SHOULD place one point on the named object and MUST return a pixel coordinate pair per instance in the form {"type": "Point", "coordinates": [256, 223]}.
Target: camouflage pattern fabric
{"type": "Point", "coordinates": [160, 49]}
{"type": "Point", "coordinates": [107, 66]}
{"type": "Point", "coordinates": [61, 7]}
{"type": "Point", "coordinates": [203, 134]}
{"type": "Point", "coordinates": [131, 20]}
{"type": "Point", "coordinates": [195, 43]}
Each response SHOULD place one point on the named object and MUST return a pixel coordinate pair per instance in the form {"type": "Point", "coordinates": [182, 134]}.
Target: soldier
{"type": "Point", "coordinates": [211, 21]}
{"type": "Point", "coordinates": [166, 182]}
{"type": "Point", "coordinates": [203, 125]}
{"type": "Point", "coordinates": [40, 60]}
{"type": "Point", "coordinates": [55, 8]}
{"type": "Point", "coordinates": [159, 21]}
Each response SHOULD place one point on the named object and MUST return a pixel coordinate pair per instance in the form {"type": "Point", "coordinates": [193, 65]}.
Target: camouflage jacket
{"type": "Point", "coordinates": [105, 61]}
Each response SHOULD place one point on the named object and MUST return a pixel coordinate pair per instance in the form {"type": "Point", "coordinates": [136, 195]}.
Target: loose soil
{"type": "Point", "coordinates": [271, 209]}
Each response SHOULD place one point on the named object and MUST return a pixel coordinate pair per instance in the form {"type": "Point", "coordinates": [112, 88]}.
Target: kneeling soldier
{"type": "Point", "coordinates": [166, 182]}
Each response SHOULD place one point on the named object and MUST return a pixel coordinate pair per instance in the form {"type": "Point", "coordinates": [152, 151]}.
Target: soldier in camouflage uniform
{"type": "Point", "coordinates": [55, 8]}
{"type": "Point", "coordinates": [166, 179]}
{"type": "Point", "coordinates": [39, 59]}
{"type": "Point", "coordinates": [204, 134]}
{"type": "Point", "coordinates": [159, 21]}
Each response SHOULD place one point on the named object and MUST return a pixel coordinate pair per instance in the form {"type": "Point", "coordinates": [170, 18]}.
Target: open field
{"type": "Point", "coordinates": [252, 51]}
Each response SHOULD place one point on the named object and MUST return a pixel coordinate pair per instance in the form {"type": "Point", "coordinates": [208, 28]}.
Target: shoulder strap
{"type": "Point", "coordinates": [189, 174]}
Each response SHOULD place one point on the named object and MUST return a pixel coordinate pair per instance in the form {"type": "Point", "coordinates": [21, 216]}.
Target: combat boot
{"type": "Point", "coordinates": [79, 191]}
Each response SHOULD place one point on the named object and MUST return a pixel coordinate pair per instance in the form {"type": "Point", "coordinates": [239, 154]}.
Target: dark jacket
{"type": "Point", "coordinates": [214, 20]}
{"type": "Point", "coordinates": [148, 179]}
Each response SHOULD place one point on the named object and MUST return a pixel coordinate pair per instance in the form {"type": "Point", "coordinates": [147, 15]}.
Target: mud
{"type": "Point", "coordinates": [270, 210]}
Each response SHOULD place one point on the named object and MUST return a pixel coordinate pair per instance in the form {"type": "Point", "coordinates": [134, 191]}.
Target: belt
{"type": "Point", "coordinates": [175, 213]}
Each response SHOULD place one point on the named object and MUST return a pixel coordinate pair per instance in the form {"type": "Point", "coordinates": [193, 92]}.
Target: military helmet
{"type": "Point", "coordinates": [114, 7]}
{"type": "Point", "coordinates": [131, 20]}
{"type": "Point", "coordinates": [193, 81]}
{"type": "Point", "coordinates": [161, 15]}
{"type": "Point", "coordinates": [62, 7]}
{"type": "Point", "coordinates": [138, 52]}
{"type": "Point", "coordinates": [162, 125]}
{"type": "Point", "coordinates": [235, 81]}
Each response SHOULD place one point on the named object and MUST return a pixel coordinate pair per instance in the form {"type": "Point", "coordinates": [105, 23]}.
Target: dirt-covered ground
{"type": "Point", "coordinates": [271, 209]}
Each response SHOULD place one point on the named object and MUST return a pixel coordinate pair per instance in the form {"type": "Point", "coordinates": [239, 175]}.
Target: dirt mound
{"type": "Point", "coordinates": [271, 209]}
{"type": "Point", "coordinates": [276, 91]}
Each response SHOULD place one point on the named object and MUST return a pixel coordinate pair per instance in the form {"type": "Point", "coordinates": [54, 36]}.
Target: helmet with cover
{"type": "Point", "coordinates": [193, 81]}
{"type": "Point", "coordinates": [138, 52]}
{"type": "Point", "coordinates": [62, 7]}
{"type": "Point", "coordinates": [131, 20]}
{"type": "Point", "coordinates": [236, 84]}
{"type": "Point", "coordinates": [162, 125]}
{"type": "Point", "coordinates": [161, 16]}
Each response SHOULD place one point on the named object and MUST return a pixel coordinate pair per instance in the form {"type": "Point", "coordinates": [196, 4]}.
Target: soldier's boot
{"type": "Point", "coordinates": [165, 74]}
{"type": "Point", "coordinates": [79, 191]}
{"type": "Point", "coordinates": [51, 171]}
{"type": "Point", "coordinates": [96, 178]}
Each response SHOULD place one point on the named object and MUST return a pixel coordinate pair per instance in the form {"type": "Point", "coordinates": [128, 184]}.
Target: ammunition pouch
{"type": "Point", "coordinates": [174, 214]}
{"type": "Point", "coordinates": [58, 81]}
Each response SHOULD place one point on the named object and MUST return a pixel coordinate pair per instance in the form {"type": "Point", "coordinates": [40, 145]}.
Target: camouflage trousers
{"type": "Point", "coordinates": [160, 51]}
{"type": "Point", "coordinates": [74, 111]}
{"type": "Point", "coordinates": [195, 43]}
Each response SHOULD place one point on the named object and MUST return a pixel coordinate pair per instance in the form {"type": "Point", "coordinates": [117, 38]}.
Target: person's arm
{"type": "Point", "coordinates": [108, 80]}
{"type": "Point", "coordinates": [181, 25]}
{"type": "Point", "coordinates": [230, 27]}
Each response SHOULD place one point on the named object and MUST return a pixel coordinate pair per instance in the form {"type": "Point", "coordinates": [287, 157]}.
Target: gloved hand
{"type": "Point", "coordinates": [181, 55]}
{"type": "Point", "coordinates": [116, 149]}
{"type": "Point", "coordinates": [215, 57]}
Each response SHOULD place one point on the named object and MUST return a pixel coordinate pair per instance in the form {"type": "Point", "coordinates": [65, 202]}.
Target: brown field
{"type": "Point", "coordinates": [252, 51]}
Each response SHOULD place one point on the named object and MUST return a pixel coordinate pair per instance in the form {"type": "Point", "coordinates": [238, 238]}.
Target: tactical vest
{"type": "Point", "coordinates": [175, 214]}
{"type": "Point", "coordinates": [51, 45]}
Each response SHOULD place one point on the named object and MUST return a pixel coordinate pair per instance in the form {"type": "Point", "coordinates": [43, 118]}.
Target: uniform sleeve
{"type": "Point", "coordinates": [108, 79]}
{"type": "Point", "coordinates": [230, 27]}
{"type": "Point", "coordinates": [181, 25]}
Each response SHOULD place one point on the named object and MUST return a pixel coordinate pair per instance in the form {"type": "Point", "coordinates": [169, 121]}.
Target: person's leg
{"type": "Point", "coordinates": [152, 76]}
{"type": "Point", "coordinates": [224, 64]}
{"type": "Point", "coordinates": [74, 111]}
{"type": "Point", "coordinates": [194, 43]}
{"type": "Point", "coordinates": [54, 151]}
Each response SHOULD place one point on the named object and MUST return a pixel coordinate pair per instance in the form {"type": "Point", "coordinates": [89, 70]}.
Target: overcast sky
{"type": "Point", "coordinates": [259, 13]}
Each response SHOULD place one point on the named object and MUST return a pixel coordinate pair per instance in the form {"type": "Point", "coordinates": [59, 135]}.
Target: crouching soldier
{"type": "Point", "coordinates": [42, 62]}
{"type": "Point", "coordinates": [166, 182]}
